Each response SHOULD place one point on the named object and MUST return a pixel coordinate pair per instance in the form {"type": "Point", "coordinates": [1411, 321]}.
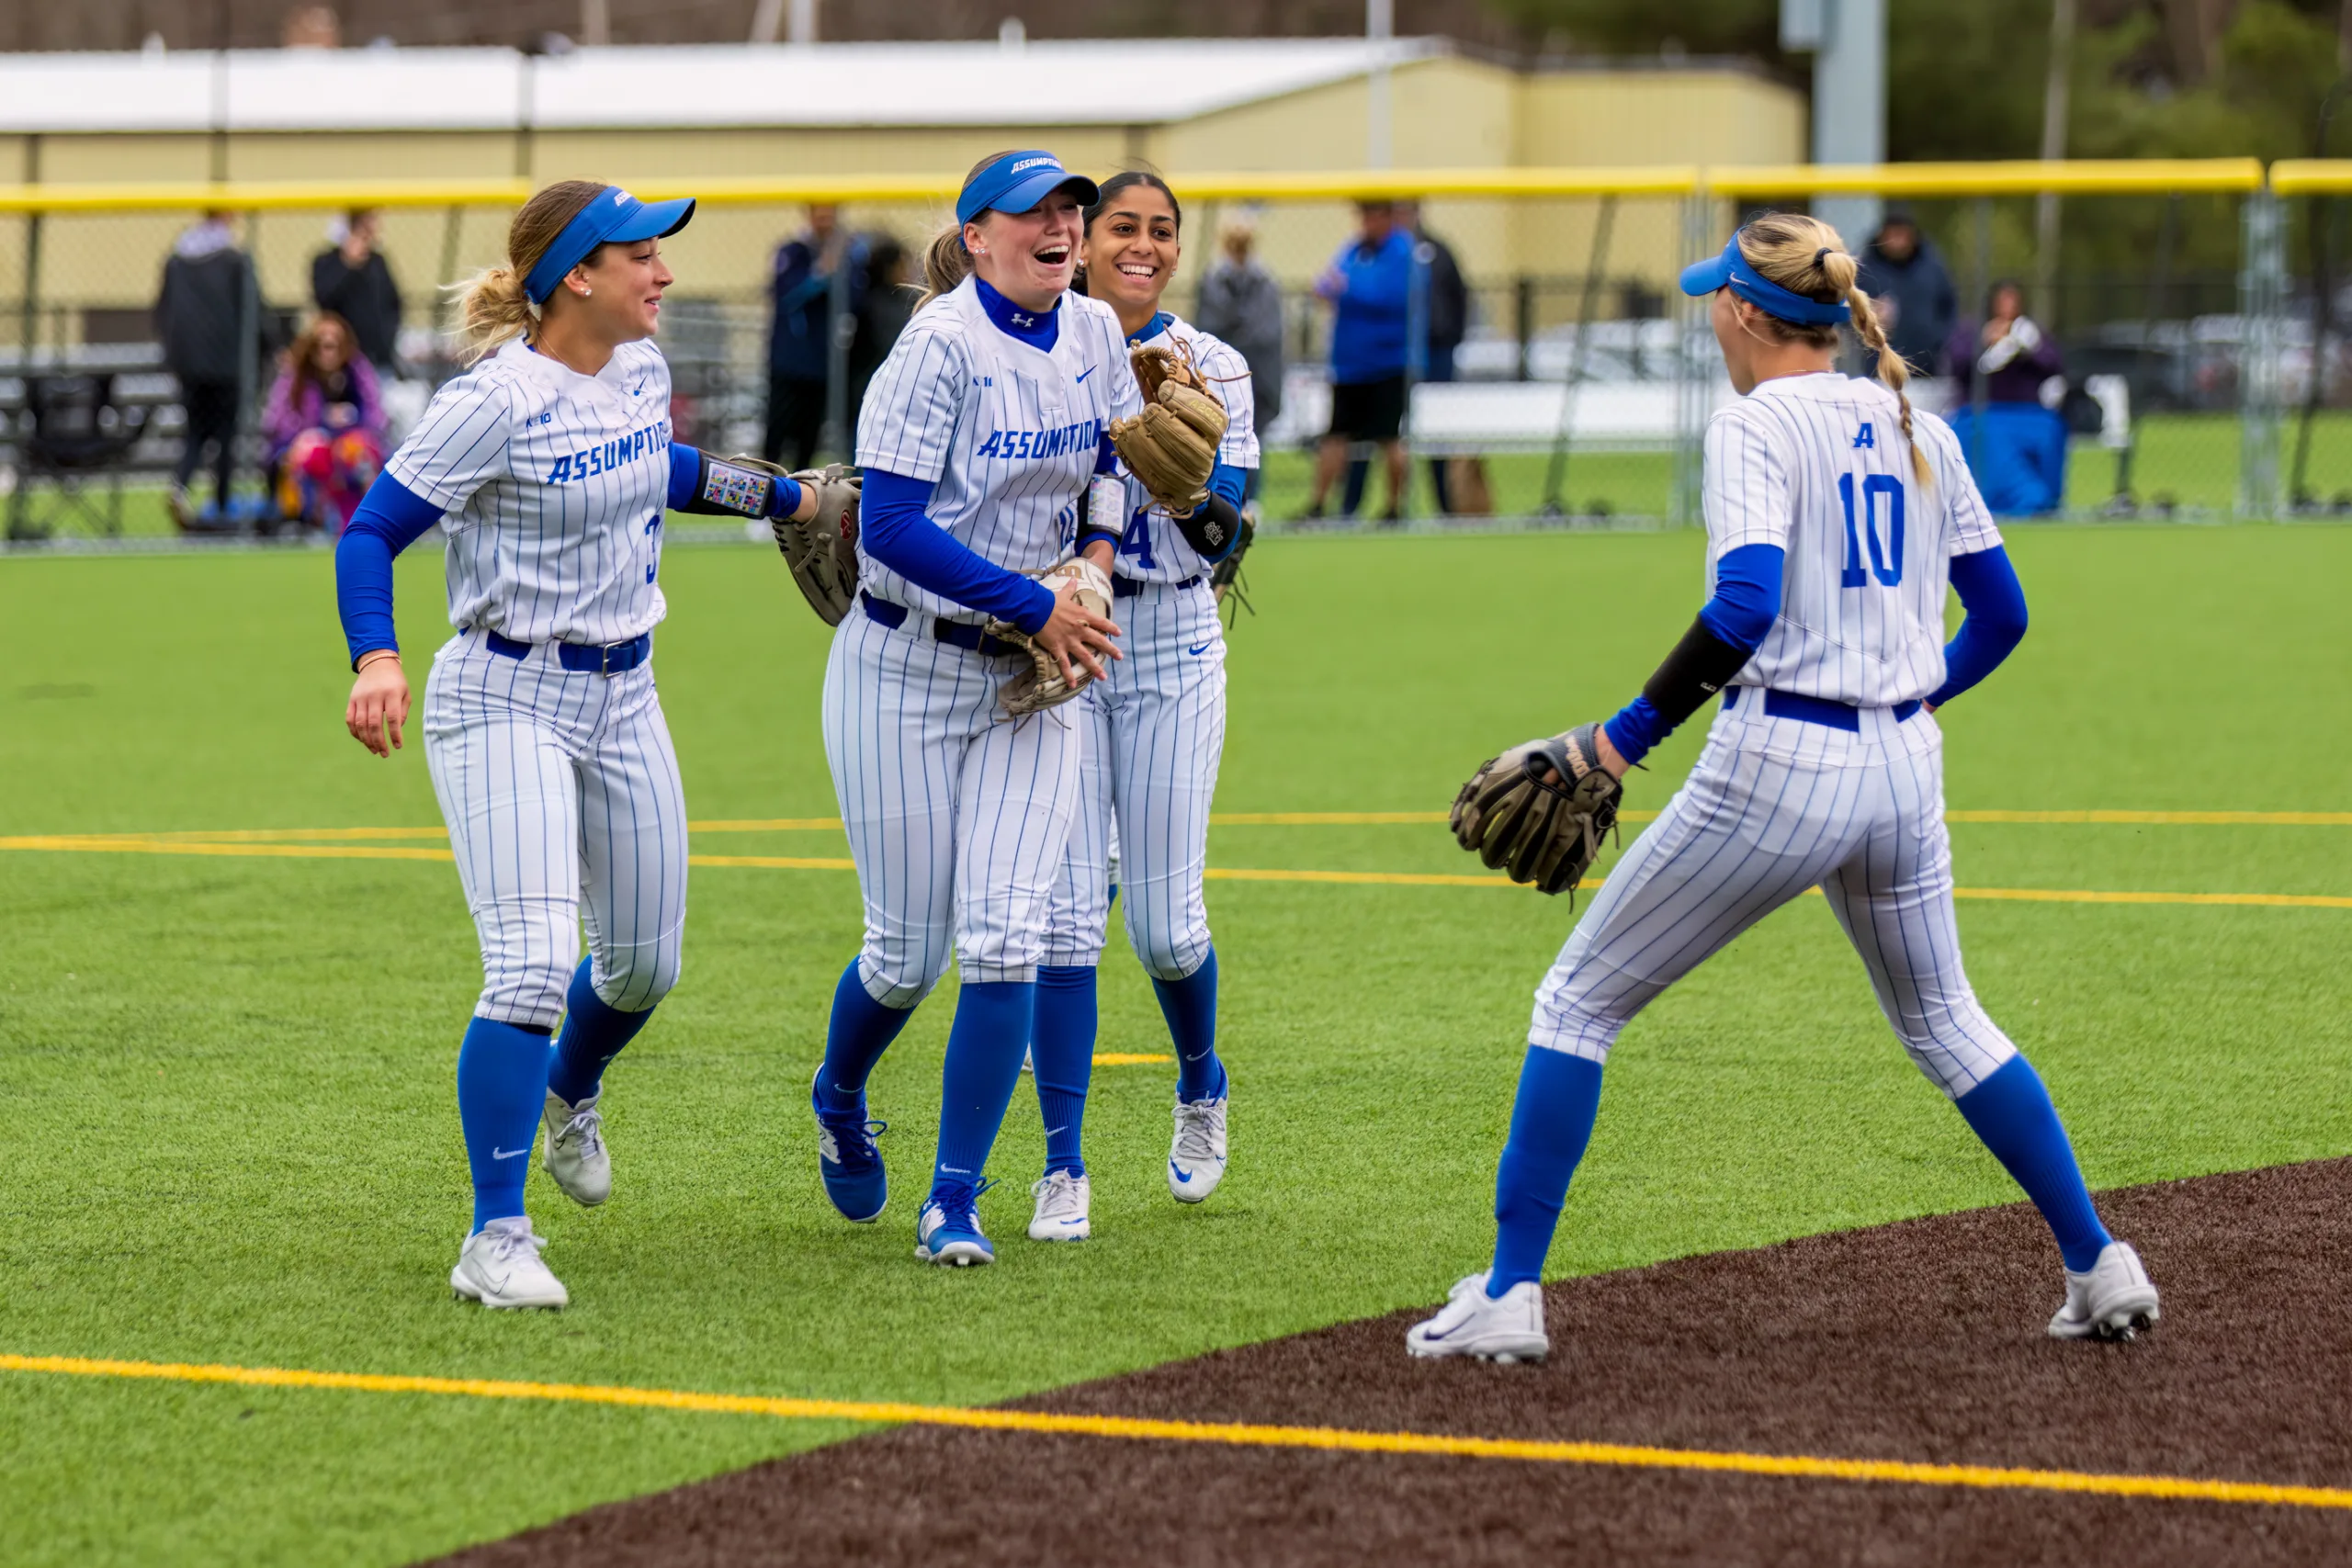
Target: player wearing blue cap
{"type": "Point", "coordinates": [1835, 519]}
{"type": "Point", "coordinates": [978, 437]}
{"type": "Point", "coordinates": [1154, 734]}
{"type": "Point", "coordinates": [548, 465]}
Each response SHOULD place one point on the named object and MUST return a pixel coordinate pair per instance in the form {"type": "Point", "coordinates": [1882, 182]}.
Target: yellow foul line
{"type": "Point", "coordinates": [125, 843]}
{"type": "Point", "coordinates": [1233, 1434]}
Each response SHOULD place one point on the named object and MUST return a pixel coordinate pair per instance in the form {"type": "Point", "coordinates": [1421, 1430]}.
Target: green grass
{"type": "Point", "coordinates": [231, 1135]}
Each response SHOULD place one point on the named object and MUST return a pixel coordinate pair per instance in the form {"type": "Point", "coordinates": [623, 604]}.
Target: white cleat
{"type": "Point", "coordinates": [575, 1150]}
{"type": "Point", "coordinates": [500, 1267]}
{"type": "Point", "coordinates": [2114, 1301]}
{"type": "Point", "coordinates": [1472, 1324]}
{"type": "Point", "coordinates": [1196, 1156]}
{"type": "Point", "coordinates": [1062, 1201]}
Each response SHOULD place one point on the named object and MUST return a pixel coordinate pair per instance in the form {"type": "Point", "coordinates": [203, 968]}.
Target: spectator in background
{"type": "Point", "coordinates": [2019, 454]}
{"type": "Point", "coordinates": [889, 302]}
{"type": "Point", "coordinates": [209, 320]}
{"type": "Point", "coordinates": [1444, 320]}
{"type": "Point", "coordinates": [1241, 302]}
{"type": "Point", "coordinates": [801, 334]}
{"type": "Point", "coordinates": [1370, 287]}
{"type": "Point", "coordinates": [351, 280]}
{"type": "Point", "coordinates": [324, 424]}
{"type": "Point", "coordinates": [1911, 289]}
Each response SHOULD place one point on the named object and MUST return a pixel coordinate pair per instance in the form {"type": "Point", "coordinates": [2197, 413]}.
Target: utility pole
{"type": "Point", "coordinates": [2053, 147]}
{"type": "Point", "coordinates": [596, 23]}
{"type": "Point", "coordinates": [1379, 28]}
{"type": "Point", "coordinates": [1848, 38]}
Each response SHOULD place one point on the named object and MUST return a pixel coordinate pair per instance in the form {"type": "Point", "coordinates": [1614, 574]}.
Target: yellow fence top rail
{"type": "Point", "coordinates": [2311, 176]}
{"type": "Point", "coordinates": [2026, 178]}
{"type": "Point", "coordinates": [2086, 178]}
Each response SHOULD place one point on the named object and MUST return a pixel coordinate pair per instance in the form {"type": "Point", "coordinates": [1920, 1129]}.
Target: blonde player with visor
{"type": "Point", "coordinates": [548, 465]}
{"type": "Point", "coordinates": [1835, 517]}
{"type": "Point", "coordinates": [979, 437]}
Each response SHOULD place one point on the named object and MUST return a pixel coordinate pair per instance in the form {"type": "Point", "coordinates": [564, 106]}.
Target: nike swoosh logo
{"type": "Point", "coordinates": [497, 1152]}
{"type": "Point", "coordinates": [1196, 651]}
{"type": "Point", "coordinates": [1084, 374]}
{"type": "Point", "coordinates": [1182, 1174]}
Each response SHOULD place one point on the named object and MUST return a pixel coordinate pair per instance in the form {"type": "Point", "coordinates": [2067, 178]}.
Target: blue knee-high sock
{"type": "Point", "coordinates": [1063, 1050]}
{"type": "Point", "coordinates": [1189, 1006]}
{"type": "Point", "coordinates": [862, 1029]}
{"type": "Point", "coordinates": [592, 1036]}
{"type": "Point", "coordinates": [2011, 1112]}
{"type": "Point", "coordinates": [1551, 1121]}
{"type": "Point", "coordinates": [992, 1024]}
{"type": "Point", "coordinates": [502, 1085]}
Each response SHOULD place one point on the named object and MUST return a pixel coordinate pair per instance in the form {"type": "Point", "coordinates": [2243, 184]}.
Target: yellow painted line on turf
{"type": "Point", "coordinates": [1127, 1059]}
{"type": "Point", "coordinates": [101, 843]}
{"type": "Point", "coordinates": [2170, 1488]}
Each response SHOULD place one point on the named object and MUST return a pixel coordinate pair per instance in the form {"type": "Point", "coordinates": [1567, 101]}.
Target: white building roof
{"type": "Point", "coordinates": [1039, 83]}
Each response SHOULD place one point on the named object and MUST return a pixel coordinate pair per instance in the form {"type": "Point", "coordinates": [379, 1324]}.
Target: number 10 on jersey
{"type": "Point", "coordinates": [1886, 565]}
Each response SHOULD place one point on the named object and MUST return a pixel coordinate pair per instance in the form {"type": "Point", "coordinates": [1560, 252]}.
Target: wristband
{"type": "Point", "coordinates": [1212, 528]}
{"type": "Point", "coordinates": [375, 655]}
{"type": "Point", "coordinates": [723, 487]}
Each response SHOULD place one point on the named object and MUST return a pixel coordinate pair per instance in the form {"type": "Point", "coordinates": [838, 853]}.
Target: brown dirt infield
{"type": "Point", "coordinates": [1918, 1341]}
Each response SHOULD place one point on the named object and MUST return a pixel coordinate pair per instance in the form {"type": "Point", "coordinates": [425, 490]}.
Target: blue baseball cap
{"type": "Point", "coordinates": [1730, 270]}
{"type": "Point", "coordinates": [1019, 180]}
{"type": "Point", "coordinates": [613, 218]}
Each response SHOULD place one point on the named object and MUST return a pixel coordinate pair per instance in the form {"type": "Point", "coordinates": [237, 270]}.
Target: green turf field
{"type": "Point", "coordinates": [2189, 461]}
{"type": "Point", "coordinates": [230, 1133]}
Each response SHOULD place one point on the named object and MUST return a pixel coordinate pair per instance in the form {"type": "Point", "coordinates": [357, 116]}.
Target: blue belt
{"type": "Point", "coordinates": [955, 634]}
{"type": "Point", "coordinates": [581, 658]}
{"type": "Point", "coordinates": [1815, 710]}
{"type": "Point", "coordinates": [1127, 587]}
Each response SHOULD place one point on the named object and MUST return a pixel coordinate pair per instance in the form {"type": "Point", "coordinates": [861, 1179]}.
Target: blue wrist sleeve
{"type": "Point", "coordinates": [391, 518]}
{"type": "Point", "coordinates": [1995, 623]}
{"type": "Point", "coordinates": [893, 530]}
{"type": "Point", "coordinates": [686, 472]}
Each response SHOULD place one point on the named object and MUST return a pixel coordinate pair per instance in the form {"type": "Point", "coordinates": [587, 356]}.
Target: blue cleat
{"type": "Point", "coordinates": [948, 1231]}
{"type": "Point", "coordinates": [848, 1160]}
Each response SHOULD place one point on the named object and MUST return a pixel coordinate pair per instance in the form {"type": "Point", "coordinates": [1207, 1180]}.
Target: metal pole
{"type": "Point", "coordinates": [2322, 240]}
{"type": "Point", "coordinates": [1980, 393]}
{"type": "Point", "coordinates": [834, 439]}
{"type": "Point", "coordinates": [452, 226]}
{"type": "Point", "coordinates": [1555, 473]}
{"type": "Point", "coordinates": [2262, 301]}
{"type": "Point", "coordinates": [1850, 108]}
{"type": "Point", "coordinates": [1379, 27]}
{"type": "Point", "coordinates": [1693, 390]}
{"type": "Point", "coordinates": [2053, 147]}
{"type": "Point", "coordinates": [30, 328]}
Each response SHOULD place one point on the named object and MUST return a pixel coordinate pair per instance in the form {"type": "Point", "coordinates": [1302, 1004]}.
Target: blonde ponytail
{"type": "Point", "coordinates": [1805, 256]}
{"type": "Point", "coordinates": [946, 264]}
{"type": "Point", "coordinates": [492, 308]}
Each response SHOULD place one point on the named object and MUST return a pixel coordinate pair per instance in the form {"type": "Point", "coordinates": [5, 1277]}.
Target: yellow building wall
{"type": "Point", "coordinates": [1448, 111]}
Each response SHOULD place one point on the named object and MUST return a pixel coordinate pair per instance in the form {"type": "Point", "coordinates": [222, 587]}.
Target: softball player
{"type": "Point", "coordinates": [548, 465]}
{"type": "Point", "coordinates": [1835, 518]}
{"type": "Point", "coordinates": [978, 437]}
{"type": "Point", "coordinates": [1154, 733]}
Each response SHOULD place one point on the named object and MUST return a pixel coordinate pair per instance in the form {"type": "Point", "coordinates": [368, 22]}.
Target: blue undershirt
{"type": "Point", "coordinates": [1995, 604]}
{"type": "Point", "coordinates": [1747, 603]}
{"type": "Point", "coordinates": [1038, 329]}
{"type": "Point", "coordinates": [893, 530]}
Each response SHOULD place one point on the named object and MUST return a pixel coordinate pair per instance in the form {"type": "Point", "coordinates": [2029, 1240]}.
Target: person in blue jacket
{"type": "Point", "coordinates": [1370, 287]}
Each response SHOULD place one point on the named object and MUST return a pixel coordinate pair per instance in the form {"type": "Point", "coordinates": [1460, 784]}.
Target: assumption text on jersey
{"type": "Point", "coordinates": [622, 450]}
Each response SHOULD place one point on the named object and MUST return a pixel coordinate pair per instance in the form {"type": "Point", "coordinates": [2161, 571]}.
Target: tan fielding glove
{"type": "Point", "coordinates": [1538, 812]}
{"type": "Point", "coordinates": [821, 554]}
{"type": "Point", "coordinates": [1041, 686]}
{"type": "Point", "coordinates": [1172, 446]}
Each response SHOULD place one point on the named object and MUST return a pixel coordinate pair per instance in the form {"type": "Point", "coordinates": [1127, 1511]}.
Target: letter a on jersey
{"type": "Point", "coordinates": [1863, 437]}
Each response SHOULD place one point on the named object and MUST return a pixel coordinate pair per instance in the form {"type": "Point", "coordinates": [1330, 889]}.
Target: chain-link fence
{"type": "Point", "coordinates": [1553, 373]}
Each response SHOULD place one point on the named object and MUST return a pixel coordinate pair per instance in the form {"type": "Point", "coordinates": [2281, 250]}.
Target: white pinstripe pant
{"type": "Point", "coordinates": [1774, 807]}
{"type": "Point", "coordinates": [561, 795]}
{"type": "Point", "coordinates": [958, 816]}
{"type": "Point", "coordinates": [1154, 735]}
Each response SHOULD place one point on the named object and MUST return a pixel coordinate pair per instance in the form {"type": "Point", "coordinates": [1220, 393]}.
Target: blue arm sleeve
{"type": "Point", "coordinates": [685, 475]}
{"type": "Point", "coordinates": [1994, 624]}
{"type": "Point", "coordinates": [1228, 482]}
{"type": "Point", "coordinates": [1106, 457]}
{"type": "Point", "coordinates": [894, 531]}
{"type": "Point", "coordinates": [391, 518]}
{"type": "Point", "coordinates": [1747, 603]}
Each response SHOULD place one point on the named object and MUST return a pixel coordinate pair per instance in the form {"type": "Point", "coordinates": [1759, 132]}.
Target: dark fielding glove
{"type": "Point", "coordinates": [1538, 812]}
{"type": "Point", "coordinates": [821, 554]}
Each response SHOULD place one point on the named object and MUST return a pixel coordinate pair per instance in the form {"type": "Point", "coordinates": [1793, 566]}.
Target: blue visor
{"type": "Point", "coordinates": [1019, 180]}
{"type": "Point", "coordinates": [613, 218]}
{"type": "Point", "coordinates": [1730, 270]}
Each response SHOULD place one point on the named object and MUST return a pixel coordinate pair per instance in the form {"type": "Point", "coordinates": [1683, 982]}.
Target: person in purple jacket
{"type": "Point", "coordinates": [1370, 287]}
{"type": "Point", "coordinates": [325, 426]}
{"type": "Point", "coordinates": [2016, 447]}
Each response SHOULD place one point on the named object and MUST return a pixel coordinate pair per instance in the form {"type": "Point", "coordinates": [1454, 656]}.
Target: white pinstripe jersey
{"type": "Point", "coordinates": [554, 484]}
{"type": "Point", "coordinates": [1007, 431]}
{"type": "Point", "coordinates": [1152, 550]}
{"type": "Point", "coordinates": [1817, 465]}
